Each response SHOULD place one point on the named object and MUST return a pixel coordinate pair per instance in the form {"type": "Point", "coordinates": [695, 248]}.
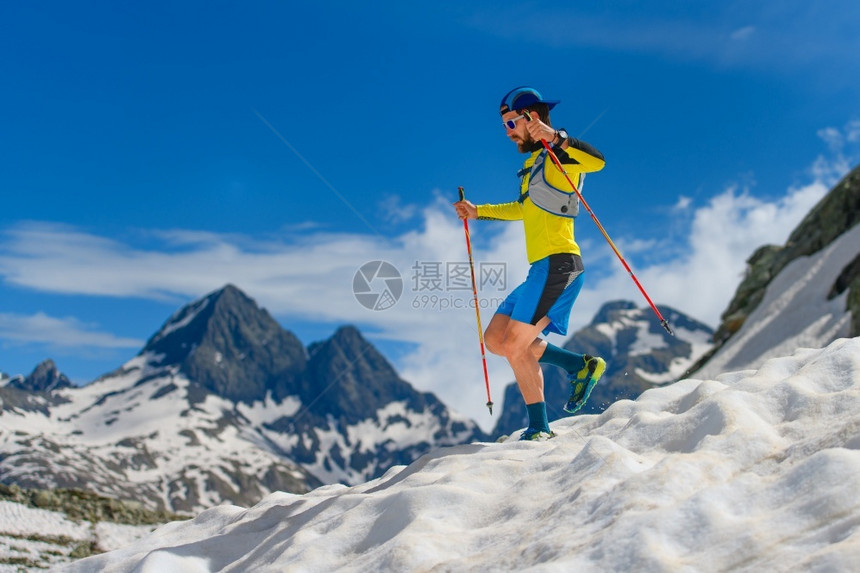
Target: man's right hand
{"type": "Point", "coordinates": [466, 210]}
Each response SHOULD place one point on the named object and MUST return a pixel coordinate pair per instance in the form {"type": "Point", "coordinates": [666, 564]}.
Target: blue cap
{"type": "Point", "coordinates": [522, 97]}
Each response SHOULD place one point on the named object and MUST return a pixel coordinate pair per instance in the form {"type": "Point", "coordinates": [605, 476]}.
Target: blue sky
{"type": "Point", "coordinates": [152, 153]}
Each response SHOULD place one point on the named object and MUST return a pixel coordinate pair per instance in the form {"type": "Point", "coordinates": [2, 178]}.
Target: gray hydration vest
{"type": "Point", "coordinates": [547, 197]}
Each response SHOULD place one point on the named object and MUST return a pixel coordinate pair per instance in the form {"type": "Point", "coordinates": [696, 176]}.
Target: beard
{"type": "Point", "coordinates": [528, 145]}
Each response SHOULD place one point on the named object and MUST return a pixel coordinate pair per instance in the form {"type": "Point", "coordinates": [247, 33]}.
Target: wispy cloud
{"type": "Point", "coordinates": [776, 35]}
{"type": "Point", "coordinates": [66, 332]}
{"type": "Point", "coordinates": [175, 264]}
{"type": "Point", "coordinates": [742, 33]}
{"type": "Point", "coordinates": [843, 144]}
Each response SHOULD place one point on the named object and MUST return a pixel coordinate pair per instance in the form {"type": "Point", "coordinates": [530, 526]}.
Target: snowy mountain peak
{"type": "Point", "coordinates": [230, 347]}
{"type": "Point", "coordinates": [45, 378]}
{"type": "Point", "coordinates": [634, 331]}
{"type": "Point", "coordinates": [639, 353]}
{"type": "Point", "coordinates": [189, 324]}
{"type": "Point", "coordinates": [359, 379]}
{"type": "Point", "coordinates": [347, 349]}
{"type": "Point", "coordinates": [224, 405]}
{"type": "Point", "coordinates": [610, 310]}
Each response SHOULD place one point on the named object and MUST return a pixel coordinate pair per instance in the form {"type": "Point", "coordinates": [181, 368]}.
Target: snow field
{"type": "Point", "coordinates": [39, 538]}
{"type": "Point", "coordinates": [795, 311]}
{"type": "Point", "coordinates": [756, 470]}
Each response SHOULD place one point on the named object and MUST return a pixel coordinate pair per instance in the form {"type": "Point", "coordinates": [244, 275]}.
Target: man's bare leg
{"type": "Point", "coordinates": [496, 333]}
{"type": "Point", "coordinates": [518, 342]}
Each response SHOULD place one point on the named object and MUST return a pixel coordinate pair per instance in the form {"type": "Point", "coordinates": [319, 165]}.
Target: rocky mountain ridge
{"type": "Point", "coordinates": [45, 378]}
{"type": "Point", "coordinates": [230, 347]}
{"type": "Point", "coordinates": [222, 405]}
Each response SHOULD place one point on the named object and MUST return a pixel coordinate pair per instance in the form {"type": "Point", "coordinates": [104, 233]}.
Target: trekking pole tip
{"type": "Point", "coordinates": [490, 406]}
{"type": "Point", "coordinates": [665, 324]}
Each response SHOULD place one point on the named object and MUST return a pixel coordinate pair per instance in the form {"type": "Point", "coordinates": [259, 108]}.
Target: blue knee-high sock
{"type": "Point", "coordinates": [566, 359]}
{"type": "Point", "coordinates": [537, 416]}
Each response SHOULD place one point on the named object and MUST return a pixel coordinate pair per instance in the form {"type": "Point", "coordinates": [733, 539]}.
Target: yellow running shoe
{"type": "Point", "coordinates": [583, 383]}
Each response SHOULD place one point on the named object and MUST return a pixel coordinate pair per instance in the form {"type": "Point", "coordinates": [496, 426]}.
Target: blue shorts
{"type": "Point", "coordinates": [551, 287]}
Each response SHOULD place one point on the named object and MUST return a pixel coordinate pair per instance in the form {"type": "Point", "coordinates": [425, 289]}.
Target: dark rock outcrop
{"type": "Point", "coordinates": [231, 347]}
{"type": "Point", "coordinates": [45, 378]}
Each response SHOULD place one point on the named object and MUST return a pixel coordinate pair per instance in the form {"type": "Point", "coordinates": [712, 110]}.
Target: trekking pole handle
{"type": "Point", "coordinates": [528, 115]}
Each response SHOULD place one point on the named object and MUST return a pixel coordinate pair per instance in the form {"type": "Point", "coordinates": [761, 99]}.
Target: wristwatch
{"type": "Point", "coordinates": [562, 136]}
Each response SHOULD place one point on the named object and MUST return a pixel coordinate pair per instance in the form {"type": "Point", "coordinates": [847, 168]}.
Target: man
{"type": "Point", "coordinates": [542, 303]}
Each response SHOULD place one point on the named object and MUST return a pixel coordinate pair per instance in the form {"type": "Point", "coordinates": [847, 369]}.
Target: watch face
{"type": "Point", "coordinates": [562, 133]}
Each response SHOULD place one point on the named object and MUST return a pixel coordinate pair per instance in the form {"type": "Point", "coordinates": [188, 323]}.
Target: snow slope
{"type": "Point", "coordinates": [752, 471]}
{"type": "Point", "coordinates": [134, 436]}
{"type": "Point", "coordinates": [794, 312]}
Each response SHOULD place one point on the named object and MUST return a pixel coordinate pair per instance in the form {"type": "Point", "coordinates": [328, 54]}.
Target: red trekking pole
{"type": "Point", "coordinates": [663, 322]}
{"type": "Point", "coordinates": [477, 308]}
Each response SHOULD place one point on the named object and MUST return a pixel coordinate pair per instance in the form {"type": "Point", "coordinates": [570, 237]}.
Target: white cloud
{"type": "Point", "coordinates": [742, 33]}
{"type": "Point", "coordinates": [852, 131]}
{"type": "Point", "coordinates": [394, 210]}
{"type": "Point", "coordinates": [683, 204]}
{"type": "Point", "coordinates": [843, 152]}
{"type": "Point", "coordinates": [724, 234]}
{"type": "Point", "coordinates": [67, 332]}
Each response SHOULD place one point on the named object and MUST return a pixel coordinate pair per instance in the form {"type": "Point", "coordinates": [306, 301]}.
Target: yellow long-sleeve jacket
{"type": "Point", "coordinates": [546, 233]}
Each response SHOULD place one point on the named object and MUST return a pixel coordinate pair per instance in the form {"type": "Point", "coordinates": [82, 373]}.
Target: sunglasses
{"type": "Point", "coordinates": [512, 123]}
